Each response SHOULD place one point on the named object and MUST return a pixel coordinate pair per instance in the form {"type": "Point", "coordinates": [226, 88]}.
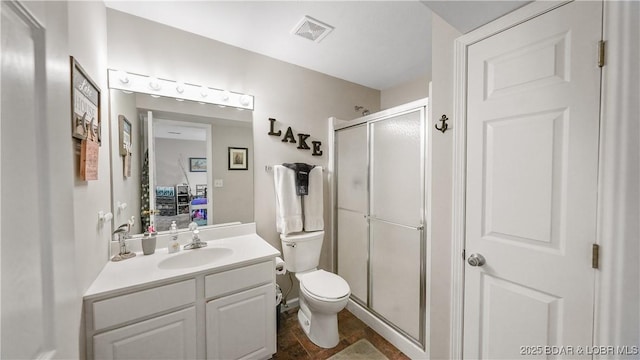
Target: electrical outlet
{"type": "Point", "coordinates": [218, 183]}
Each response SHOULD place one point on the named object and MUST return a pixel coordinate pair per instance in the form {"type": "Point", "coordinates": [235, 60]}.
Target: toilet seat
{"type": "Point", "coordinates": [324, 285]}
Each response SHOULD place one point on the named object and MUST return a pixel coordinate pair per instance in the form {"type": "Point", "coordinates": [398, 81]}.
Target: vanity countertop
{"type": "Point", "coordinates": [142, 271]}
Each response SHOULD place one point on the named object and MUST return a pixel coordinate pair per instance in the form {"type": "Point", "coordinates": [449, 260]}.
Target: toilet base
{"type": "Point", "coordinates": [321, 329]}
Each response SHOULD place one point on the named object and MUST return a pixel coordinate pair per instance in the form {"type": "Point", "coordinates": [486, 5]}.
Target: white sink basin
{"type": "Point", "coordinates": [194, 258]}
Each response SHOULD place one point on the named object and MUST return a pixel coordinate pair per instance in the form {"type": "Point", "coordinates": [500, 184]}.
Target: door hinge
{"type": "Point", "coordinates": [595, 256]}
{"type": "Point", "coordinates": [601, 53]}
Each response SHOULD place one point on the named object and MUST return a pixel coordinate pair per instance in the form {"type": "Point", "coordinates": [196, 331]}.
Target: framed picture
{"type": "Point", "coordinates": [124, 127]}
{"type": "Point", "coordinates": [197, 164]}
{"type": "Point", "coordinates": [85, 105]}
{"type": "Point", "coordinates": [238, 158]}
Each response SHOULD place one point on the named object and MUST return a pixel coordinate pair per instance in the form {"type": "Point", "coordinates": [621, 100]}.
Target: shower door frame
{"type": "Point", "coordinates": [423, 107]}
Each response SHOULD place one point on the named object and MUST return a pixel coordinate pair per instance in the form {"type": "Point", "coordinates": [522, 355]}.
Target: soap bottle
{"type": "Point", "coordinates": [174, 245]}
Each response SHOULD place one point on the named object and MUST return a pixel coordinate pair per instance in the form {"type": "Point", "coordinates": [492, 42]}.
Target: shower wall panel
{"type": "Point", "coordinates": [396, 169]}
{"type": "Point", "coordinates": [351, 166]}
{"type": "Point", "coordinates": [395, 273]}
{"type": "Point", "coordinates": [354, 250]}
{"type": "Point", "coordinates": [352, 202]}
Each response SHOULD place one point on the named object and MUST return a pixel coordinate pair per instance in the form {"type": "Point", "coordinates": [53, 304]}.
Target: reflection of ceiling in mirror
{"type": "Point", "coordinates": [166, 130]}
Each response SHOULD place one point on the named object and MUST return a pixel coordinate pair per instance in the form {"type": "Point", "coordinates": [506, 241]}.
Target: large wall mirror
{"type": "Point", "coordinates": [182, 161]}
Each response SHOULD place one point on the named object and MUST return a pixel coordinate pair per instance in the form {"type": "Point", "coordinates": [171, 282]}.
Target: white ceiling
{"type": "Point", "coordinates": [378, 44]}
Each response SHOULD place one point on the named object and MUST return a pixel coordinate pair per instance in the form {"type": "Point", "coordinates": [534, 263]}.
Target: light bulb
{"type": "Point", "coordinates": [204, 91]}
{"type": "Point", "coordinates": [154, 84]}
{"type": "Point", "coordinates": [123, 77]}
{"type": "Point", "coordinates": [245, 100]}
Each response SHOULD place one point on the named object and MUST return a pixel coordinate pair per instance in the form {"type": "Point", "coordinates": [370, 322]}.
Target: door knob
{"type": "Point", "coordinates": [476, 260]}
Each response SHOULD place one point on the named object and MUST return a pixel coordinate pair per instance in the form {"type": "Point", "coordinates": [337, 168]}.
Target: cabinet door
{"type": "Point", "coordinates": [171, 336]}
{"type": "Point", "coordinates": [242, 325]}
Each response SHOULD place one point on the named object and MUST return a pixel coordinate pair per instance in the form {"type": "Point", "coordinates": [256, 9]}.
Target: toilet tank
{"type": "Point", "coordinates": [301, 251]}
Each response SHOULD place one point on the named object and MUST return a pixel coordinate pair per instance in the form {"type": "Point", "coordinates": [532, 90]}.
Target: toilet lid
{"type": "Point", "coordinates": [325, 284]}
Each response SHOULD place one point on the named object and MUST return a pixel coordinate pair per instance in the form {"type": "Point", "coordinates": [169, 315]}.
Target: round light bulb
{"type": "Point", "coordinates": [245, 100]}
{"type": "Point", "coordinates": [123, 77]}
{"type": "Point", "coordinates": [204, 91]}
{"type": "Point", "coordinates": [154, 84]}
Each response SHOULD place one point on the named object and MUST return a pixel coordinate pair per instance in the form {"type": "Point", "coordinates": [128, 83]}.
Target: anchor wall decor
{"type": "Point", "coordinates": [444, 125]}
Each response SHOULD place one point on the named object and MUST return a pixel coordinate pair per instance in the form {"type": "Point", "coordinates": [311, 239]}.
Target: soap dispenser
{"type": "Point", "coordinates": [174, 245]}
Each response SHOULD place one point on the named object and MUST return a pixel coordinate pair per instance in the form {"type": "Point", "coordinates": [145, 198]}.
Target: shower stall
{"type": "Point", "coordinates": [380, 164]}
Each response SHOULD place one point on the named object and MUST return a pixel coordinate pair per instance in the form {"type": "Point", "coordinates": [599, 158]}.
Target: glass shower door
{"type": "Point", "coordinates": [396, 216]}
{"type": "Point", "coordinates": [352, 189]}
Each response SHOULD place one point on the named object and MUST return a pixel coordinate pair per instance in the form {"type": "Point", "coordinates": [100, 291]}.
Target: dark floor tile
{"type": "Point", "coordinates": [400, 356]}
{"type": "Point", "coordinates": [308, 345]}
{"type": "Point", "coordinates": [327, 353]}
{"type": "Point", "coordinates": [293, 343]}
{"type": "Point", "coordinates": [350, 325]}
{"type": "Point", "coordinates": [293, 352]}
{"type": "Point", "coordinates": [286, 338]}
{"type": "Point", "coordinates": [381, 344]}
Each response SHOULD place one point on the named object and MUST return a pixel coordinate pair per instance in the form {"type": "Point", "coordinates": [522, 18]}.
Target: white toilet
{"type": "Point", "coordinates": [322, 294]}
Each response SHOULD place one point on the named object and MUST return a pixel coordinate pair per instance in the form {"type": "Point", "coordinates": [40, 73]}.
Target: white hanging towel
{"type": "Point", "coordinates": [288, 207]}
{"type": "Point", "coordinates": [313, 202]}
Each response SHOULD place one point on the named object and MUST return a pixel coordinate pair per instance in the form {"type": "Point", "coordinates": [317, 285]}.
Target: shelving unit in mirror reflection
{"type": "Point", "coordinates": [166, 200]}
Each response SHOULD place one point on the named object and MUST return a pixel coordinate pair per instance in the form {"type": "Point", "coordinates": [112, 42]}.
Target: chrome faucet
{"type": "Point", "coordinates": [196, 243]}
{"type": "Point", "coordinates": [123, 233]}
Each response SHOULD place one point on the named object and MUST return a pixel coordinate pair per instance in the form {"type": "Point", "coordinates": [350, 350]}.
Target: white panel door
{"type": "Point", "coordinates": [28, 302]}
{"type": "Point", "coordinates": [171, 336]}
{"type": "Point", "coordinates": [532, 159]}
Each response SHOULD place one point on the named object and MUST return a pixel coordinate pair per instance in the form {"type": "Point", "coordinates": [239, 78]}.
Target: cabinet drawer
{"type": "Point", "coordinates": [239, 279]}
{"type": "Point", "coordinates": [132, 306]}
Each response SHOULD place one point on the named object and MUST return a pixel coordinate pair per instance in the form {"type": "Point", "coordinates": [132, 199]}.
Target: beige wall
{"type": "Point", "coordinates": [87, 43]}
{"type": "Point", "coordinates": [441, 149]}
{"type": "Point", "coordinates": [233, 201]}
{"type": "Point", "coordinates": [404, 93]}
{"type": "Point", "coordinates": [296, 97]}
{"type": "Point", "coordinates": [170, 153]}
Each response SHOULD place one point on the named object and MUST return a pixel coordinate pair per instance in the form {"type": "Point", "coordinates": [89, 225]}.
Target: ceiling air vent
{"type": "Point", "coordinates": [312, 29]}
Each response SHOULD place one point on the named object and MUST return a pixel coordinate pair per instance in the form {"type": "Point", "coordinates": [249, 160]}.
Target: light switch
{"type": "Point", "coordinates": [218, 183]}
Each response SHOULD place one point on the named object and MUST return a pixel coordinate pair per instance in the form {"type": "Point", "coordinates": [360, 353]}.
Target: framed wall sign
{"type": "Point", "coordinates": [238, 158]}
{"type": "Point", "coordinates": [85, 104]}
{"type": "Point", "coordinates": [124, 127]}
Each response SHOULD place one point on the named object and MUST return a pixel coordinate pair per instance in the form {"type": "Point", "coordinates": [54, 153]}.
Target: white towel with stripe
{"type": "Point", "coordinates": [288, 204]}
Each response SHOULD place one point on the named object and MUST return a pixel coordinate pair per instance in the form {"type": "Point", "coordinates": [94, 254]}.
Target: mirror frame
{"type": "Point", "coordinates": [141, 84]}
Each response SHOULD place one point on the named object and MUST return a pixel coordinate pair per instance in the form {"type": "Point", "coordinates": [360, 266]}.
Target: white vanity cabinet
{"type": "Point", "coordinates": [224, 313]}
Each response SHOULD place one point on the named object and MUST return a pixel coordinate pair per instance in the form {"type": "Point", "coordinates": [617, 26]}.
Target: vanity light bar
{"type": "Point", "coordinates": [129, 82]}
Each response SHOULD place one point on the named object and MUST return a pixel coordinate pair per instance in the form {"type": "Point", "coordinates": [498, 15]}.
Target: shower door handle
{"type": "Point", "coordinates": [373, 218]}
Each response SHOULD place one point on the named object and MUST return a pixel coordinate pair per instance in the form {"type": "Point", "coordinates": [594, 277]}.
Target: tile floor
{"type": "Point", "coordinates": [294, 344]}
